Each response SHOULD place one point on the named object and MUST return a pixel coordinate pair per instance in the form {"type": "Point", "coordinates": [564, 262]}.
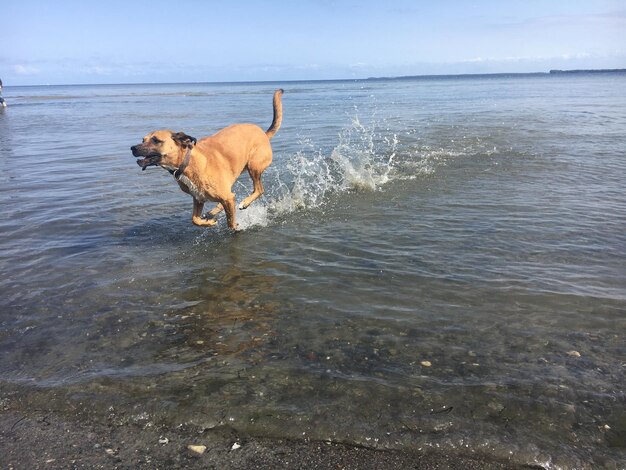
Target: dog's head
{"type": "Point", "coordinates": [164, 148]}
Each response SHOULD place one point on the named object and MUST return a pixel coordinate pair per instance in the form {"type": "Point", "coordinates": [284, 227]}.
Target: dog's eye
{"type": "Point", "coordinates": [156, 141]}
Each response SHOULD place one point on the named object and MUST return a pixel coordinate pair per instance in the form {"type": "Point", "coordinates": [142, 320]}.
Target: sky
{"type": "Point", "coordinates": [156, 41]}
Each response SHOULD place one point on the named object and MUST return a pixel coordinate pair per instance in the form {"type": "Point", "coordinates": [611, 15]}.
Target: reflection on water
{"type": "Point", "coordinates": [228, 310]}
{"type": "Point", "coordinates": [434, 265]}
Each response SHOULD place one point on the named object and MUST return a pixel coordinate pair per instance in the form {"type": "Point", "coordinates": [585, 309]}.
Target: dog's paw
{"type": "Point", "coordinates": [202, 222]}
{"type": "Point", "coordinates": [242, 206]}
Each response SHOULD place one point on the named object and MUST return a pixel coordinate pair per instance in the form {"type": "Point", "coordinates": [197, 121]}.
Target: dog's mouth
{"type": "Point", "coordinates": [147, 157]}
{"type": "Point", "coordinates": [151, 160]}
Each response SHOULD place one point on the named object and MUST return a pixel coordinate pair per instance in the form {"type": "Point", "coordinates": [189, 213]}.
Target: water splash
{"type": "Point", "coordinates": [362, 160]}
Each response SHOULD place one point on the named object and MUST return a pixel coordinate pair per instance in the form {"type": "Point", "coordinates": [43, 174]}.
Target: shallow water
{"type": "Point", "coordinates": [435, 264]}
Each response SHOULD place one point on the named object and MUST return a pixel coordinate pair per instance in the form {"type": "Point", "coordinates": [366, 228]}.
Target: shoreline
{"type": "Point", "coordinates": [32, 438]}
{"type": "Point", "coordinates": [47, 440]}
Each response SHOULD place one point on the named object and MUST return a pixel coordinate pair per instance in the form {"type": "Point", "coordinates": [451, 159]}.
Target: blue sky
{"type": "Point", "coordinates": [67, 42]}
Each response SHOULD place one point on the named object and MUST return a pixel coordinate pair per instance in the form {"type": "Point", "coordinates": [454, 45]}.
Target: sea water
{"type": "Point", "coordinates": [436, 264]}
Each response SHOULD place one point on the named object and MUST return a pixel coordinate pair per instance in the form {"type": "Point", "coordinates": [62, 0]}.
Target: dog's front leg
{"type": "Point", "coordinates": [197, 219]}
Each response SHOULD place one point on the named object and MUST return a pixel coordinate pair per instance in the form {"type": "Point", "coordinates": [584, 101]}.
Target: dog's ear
{"type": "Point", "coordinates": [183, 140]}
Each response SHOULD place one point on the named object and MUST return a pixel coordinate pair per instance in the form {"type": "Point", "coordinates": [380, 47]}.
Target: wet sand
{"type": "Point", "coordinates": [47, 437]}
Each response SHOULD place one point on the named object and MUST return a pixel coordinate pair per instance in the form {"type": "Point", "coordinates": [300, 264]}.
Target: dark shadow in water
{"type": "Point", "coordinates": [168, 229]}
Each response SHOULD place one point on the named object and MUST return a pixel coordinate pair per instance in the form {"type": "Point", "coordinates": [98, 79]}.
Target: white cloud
{"type": "Point", "coordinates": [98, 70]}
{"type": "Point", "coordinates": [536, 58]}
{"type": "Point", "coordinates": [307, 67]}
{"type": "Point", "coordinates": [475, 59]}
{"type": "Point", "coordinates": [21, 69]}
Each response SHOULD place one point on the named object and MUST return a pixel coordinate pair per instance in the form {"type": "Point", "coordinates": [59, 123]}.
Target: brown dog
{"type": "Point", "coordinates": [208, 168]}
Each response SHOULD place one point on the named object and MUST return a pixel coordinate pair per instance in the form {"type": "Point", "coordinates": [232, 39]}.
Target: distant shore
{"type": "Point", "coordinates": [557, 71]}
{"type": "Point", "coordinates": [500, 74]}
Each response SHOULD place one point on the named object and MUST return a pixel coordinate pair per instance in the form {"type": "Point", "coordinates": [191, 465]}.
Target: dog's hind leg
{"type": "Point", "coordinates": [257, 164]}
{"type": "Point", "coordinates": [229, 207]}
{"type": "Point", "coordinates": [258, 189]}
{"type": "Point", "coordinates": [216, 210]}
{"type": "Point", "coordinates": [197, 219]}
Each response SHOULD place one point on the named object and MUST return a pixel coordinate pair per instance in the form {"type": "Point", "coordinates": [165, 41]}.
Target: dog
{"type": "Point", "coordinates": [207, 168]}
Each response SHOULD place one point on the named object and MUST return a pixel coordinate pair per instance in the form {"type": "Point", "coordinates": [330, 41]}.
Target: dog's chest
{"type": "Point", "coordinates": [193, 189]}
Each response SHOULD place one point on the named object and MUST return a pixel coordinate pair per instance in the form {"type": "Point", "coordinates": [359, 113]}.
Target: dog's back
{"type": "Point", "coordinates": [238, 146]}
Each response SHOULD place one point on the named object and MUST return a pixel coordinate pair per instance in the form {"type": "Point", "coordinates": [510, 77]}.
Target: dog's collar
{"type": "Point", "coordinates": [179, 172]}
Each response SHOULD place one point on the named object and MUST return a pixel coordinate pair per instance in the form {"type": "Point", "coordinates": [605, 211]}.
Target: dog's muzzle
{"type": "Point", "coordinates": [150, 157]}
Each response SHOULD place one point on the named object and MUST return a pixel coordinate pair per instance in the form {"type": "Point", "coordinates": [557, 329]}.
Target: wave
{"type": "Point", "coordinates": [61, 97]}
{"type": "Point", "coordinates": [102, 92]}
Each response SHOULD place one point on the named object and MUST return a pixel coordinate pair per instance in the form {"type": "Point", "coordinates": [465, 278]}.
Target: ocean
{"type": "Point", "coordinates": [437, 264]}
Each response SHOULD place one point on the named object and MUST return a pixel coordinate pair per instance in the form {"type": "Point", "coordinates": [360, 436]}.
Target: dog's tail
{"type": "Point", "coordinates": [278, 114]}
